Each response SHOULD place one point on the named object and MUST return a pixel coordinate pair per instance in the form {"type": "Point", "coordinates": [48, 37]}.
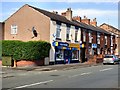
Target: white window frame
{"type": "Point", "coordinates": [105, 40]}
{"type": "Point", "coordinates": [68, 33]}
{"type": "Point", "coordinates": [90, 37]}
{"type": "Point", "coordinates": [98, 38]}
{"type": "Point", "coordinates": [76, 34]}
{"type": "Point", "coordinates": [98, 50]}
{"type": "Point", "coordinates": [58, 31]}
{"type": "Point", "coordinates": [14, 29]}
{"type": "Point", "coordinates": [111, 40]}
{"type": "Point", "coordinates": [84, 36]}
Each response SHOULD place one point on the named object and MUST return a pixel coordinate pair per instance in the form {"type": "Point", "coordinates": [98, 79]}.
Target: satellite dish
{"type": "Point", "coordinates": [34, 32]}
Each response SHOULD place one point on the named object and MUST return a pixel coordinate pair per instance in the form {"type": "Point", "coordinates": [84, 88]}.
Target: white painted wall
{"type": "Point", "coordinates": [52, 31]}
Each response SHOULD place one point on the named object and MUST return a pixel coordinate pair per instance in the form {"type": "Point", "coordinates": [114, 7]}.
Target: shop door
{"type": "Point", "coordinates": [67, 56]}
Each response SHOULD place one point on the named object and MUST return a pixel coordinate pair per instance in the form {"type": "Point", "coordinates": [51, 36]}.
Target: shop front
{"type": "Point", "coordinates": [66, 52]}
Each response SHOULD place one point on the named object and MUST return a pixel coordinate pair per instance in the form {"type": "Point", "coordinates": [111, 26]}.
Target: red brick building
{"type": "Point", "coordinates": [115, 38]}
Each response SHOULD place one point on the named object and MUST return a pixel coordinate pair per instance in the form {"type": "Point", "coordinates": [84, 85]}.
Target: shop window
{"type": "Point", "coordinates": [75, 55]}
{"type": "Point", "coordinates": [14, 29]}
{"type": "Point", "coordinates": [59, 54]}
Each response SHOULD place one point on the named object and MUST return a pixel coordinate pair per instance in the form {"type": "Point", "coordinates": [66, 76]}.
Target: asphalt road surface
{"type": "Point", "coordinates": [102, 76]}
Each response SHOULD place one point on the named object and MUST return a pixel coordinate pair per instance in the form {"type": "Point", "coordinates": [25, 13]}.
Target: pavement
{"type": "Point", "coordinates": [13, 71]}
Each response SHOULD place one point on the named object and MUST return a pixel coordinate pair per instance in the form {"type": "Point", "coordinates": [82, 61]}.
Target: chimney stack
{"type": "Point", "coordinates": [93, 22]}
{"type": "Point", "coordinates": [85, 20]}
{"type": "Point", "coordinates": [77, 18]}
{"type": "Point", "coordinates": [68, 14]}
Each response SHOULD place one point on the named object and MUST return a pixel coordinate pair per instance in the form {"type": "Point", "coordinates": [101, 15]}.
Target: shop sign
{"type": "Point", "coordinates": [94, 45]}
{"type": "Point", "coordinates": [63, 44]}
{"type": "Point", "coordinates": [55, 43]}
{"type": "Point", "coordinates": [60, 44]}
{"type": "Point", "coordinates": [74, 45]}
{"type": "Point", "coordinates": [82, 45]}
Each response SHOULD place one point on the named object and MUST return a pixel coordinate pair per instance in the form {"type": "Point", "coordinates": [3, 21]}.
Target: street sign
{"type": "Point", "coordinates": [94, 45]}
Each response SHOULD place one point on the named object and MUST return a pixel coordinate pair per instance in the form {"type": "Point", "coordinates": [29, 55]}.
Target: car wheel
{"type": "Point", "coordinates": [114, 63]}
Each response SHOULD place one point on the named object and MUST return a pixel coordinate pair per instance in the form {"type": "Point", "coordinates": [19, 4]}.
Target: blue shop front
{"type": "Point", "coordinates": [66, 52]}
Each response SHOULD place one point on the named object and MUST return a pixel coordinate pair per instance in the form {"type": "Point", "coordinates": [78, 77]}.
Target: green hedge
{"type": "Point", "coordinates": [32, 50]}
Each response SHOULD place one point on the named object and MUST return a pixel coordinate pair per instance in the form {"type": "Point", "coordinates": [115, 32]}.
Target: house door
{"type": "Point", "coordinates": [82, 53]}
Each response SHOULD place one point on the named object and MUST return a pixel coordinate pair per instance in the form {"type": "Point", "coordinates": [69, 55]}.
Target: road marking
{"type": "Point", "coordinates": [34, 84]}
{"type": "Point", "coordinates": [106, 69]}
{"type": "Point", "coordinates": [86, 73]}
{"type": "Point", "coordinates": [80, 74]}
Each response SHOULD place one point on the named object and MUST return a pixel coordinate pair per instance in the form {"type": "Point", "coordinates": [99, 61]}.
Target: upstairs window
{"type": "Point", "coordinates": [84, 36]}
{"type": "Point", "coordinates": [90, 37]}
{"type": "Point", "coordinates": [105, 40]}
{"type": "Point", "coordinates": [58, 31]}
{"type": "Point", "coordinates": [111, 40]}
{"type": "Point", "coordinates": [68, 33]}
{"type": "Point", "coordinates": [76, 35]}
{"type": "Point", "coordinates": [14, 29]}
{"type": "Point", "coordinates": [98, 38]}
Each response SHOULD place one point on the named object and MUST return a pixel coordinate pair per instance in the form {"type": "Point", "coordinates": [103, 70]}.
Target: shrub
{"type": "Point", "coordinates": [32, 50]}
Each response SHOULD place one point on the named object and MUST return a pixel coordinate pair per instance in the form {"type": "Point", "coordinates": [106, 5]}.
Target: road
{"type": "Point", "coordinates": [101, 76]}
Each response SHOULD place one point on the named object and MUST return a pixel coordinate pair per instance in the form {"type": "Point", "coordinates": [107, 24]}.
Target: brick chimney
{"type": "Point", "coordinates": [68, 14]}
{"type": "Point", "coordinates": [77, 18]}
{"type": "Point", "coordinates": [85, 20]}
{"type": "Point", "coordinates": [93, 22]}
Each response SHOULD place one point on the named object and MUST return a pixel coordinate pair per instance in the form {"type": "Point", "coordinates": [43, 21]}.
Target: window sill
{"type": "Point", "coordinates": [68, 40]}
{"type": "Point", "coordinates": [76, 41]}
{"type": "Point", "coordinates": [58, 38]}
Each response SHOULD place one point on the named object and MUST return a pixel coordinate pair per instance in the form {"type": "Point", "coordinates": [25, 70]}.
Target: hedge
{"type": "Point", "coordinates": [32, 50]}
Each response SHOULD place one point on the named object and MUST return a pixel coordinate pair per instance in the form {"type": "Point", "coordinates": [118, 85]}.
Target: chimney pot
{"type": "Point", "coordinates": [69, 9]}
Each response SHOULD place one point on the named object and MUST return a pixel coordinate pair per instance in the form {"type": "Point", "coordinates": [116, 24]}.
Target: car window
{"type": "Point", "coordinates": [108, 57]}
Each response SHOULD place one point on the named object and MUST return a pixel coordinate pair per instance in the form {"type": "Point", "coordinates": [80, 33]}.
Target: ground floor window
{"type": "Point", "coordinates": [75, 55]}
{"type": "Point", "coordinates": [90, 51]}
{"type": "Point", "coordinates": [98, 51]}
{"type": "Point", "coordinates": [59, 54]}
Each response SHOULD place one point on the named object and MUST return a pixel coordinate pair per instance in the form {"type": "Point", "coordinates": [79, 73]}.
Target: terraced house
{"type": "Point", "coordinates": [115, 38]}
{"type": "Point", "coordinates": [72, 39]}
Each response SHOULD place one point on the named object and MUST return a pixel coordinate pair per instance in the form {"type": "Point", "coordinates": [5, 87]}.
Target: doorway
{"type": "Point", "coordinates": [82, 54]}
{"type": "Point", "coordinates": [67, 56]}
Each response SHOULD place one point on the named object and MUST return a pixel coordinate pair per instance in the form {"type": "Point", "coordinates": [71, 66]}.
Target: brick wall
{"type": "Point", "coordinates": [26, 18]}
{"type": "Point", "coordinates": [29, 63]}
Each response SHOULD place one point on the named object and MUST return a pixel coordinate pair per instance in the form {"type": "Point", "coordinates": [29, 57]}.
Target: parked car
{"type": "Point", "coordinates": [111, 59]}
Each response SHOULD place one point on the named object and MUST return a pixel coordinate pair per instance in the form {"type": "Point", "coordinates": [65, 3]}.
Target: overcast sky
{"type": "Point", "coordinates": [106, 11]}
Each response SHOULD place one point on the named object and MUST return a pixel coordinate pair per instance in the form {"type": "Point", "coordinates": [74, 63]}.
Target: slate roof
{"type": "Point", "coordinates": [110, 26]}
{"type": "Point", "coordinates": [54, 16]}
{"type": "Point", "coordinates": [90, 27]}
{"type": "Point", "coordinates": [60, 18]}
